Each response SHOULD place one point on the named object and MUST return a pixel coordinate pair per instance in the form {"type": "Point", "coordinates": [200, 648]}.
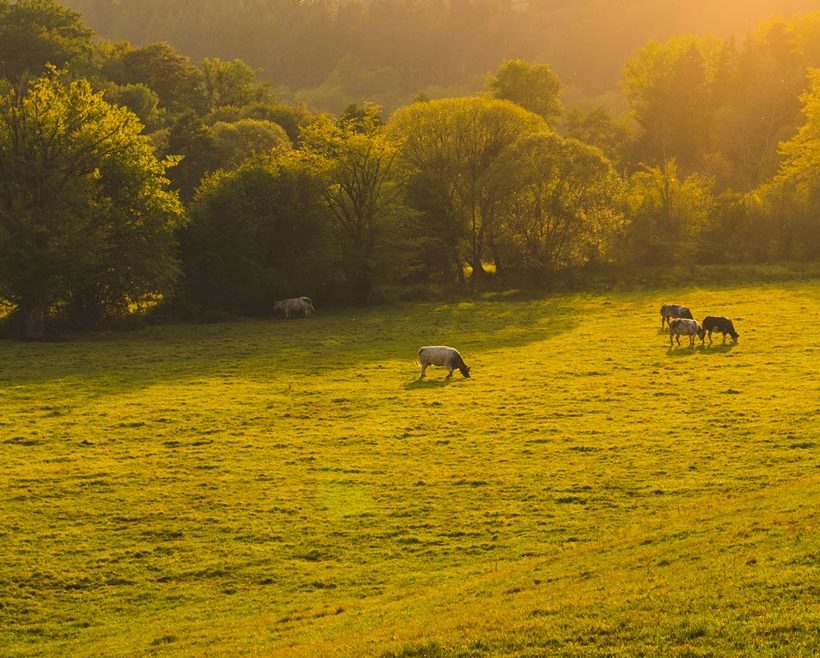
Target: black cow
{"type": "Point", "coordinates": [719, 324]}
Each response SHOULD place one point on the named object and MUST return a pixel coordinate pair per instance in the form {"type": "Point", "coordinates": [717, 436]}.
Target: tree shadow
{"type": "Point", "coordinates": [260, 350]}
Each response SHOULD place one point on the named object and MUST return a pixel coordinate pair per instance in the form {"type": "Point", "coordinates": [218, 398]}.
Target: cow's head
{"type": "Point", "coordinates": [465, 370]}
{"type": "Point", "coordinates": [701, 332]}
{"type": "Point", "coordinates": [734, 335]}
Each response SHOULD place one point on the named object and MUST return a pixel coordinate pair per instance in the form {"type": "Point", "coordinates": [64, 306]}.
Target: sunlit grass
{"type": "Point", "coordinates": [291, 488]}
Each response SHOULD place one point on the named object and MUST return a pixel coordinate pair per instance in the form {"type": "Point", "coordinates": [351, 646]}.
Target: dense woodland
{"type": "Point", "coordinates": [136, 173]}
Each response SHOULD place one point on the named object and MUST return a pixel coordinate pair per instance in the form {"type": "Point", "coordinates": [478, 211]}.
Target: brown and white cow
{"type": "Point", "coordinates": [441, 355]}
{"type": "Point", "coordinates": [671, 311]}
{"type": "Point", "coordinates": [684, 327]}
{"type": "Point", "coordinates": [301, 305]}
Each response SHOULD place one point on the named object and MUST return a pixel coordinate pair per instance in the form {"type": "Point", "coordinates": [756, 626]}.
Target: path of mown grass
{"type": "Point", "coordinates": [290, 489]}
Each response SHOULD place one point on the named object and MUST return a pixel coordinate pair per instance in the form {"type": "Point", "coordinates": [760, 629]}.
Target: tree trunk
{"type": "Point", "coordinates": [34, 315]}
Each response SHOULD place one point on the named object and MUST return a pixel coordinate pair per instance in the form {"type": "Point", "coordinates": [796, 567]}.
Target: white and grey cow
{"type": "Point", "coordinates": [441, 355]}
{"type": "Point", "coordinates": [684, 327]}
{"type": "Point", "coordinates": [671, 311]}
{"type": "Point", "coordinates": [302, 305]}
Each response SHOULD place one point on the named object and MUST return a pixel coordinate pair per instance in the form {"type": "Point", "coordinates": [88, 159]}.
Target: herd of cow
{"type": "Point", "coordinates": [681, 323]}
{"type": "Point", "coordinates": [679, 318]}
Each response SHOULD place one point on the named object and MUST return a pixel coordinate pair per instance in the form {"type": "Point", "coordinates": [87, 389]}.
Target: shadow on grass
{"type": "Point", "coordinates": [261, 351]}
{"type": "Point", "coordinates": [683, 350]}
{"type": "Point", "coordinates": [718, 348]}
{"type": "Point", "coordinates": [428, 383]}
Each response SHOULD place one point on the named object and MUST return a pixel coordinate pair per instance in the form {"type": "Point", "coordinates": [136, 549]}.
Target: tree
{"type": "Point", "coordinates": [85, 217]}
{"type": "Point", "coordinates": [535, 87]}
{"type": "Point", "coordinates": [448, 149]}
{"type": "Point", "coordinates": [666, 214]}
{"type": "Point", "coordinates": [191, 139]}
{"type": "Point", "coordinates": [793, 196]}
{"type": "Point", "coordinates": [139, 99]}
{"type": "Point", "coordinates": [561, 211]}
{"type": "Point", "coordinates": [34, 33]}
{"type": "Point", "coordinates": [257, 233]}
{"type": "Point", "coordinates": [176, 81]}
{"type": "Point", "coordinates": [230, 83]}
{"type": "Point", "coordinates": [360, 194]}
{"type": "Point", "coordinates": [240, 140]}
{"type": "Point", "coordinates": [597, 128]}
{"type": "Point", "coordinates": [668, 88]}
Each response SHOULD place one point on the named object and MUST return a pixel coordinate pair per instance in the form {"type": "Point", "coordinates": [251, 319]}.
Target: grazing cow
{"type": "Point", "coordinates": [294, 305]}
{"type": "Point", "coordinates": [719, 324]}
{"type": "Point", "coordinates": [684, 327]}
{"type": "Point", "coordinates": [670, 311]}
{"type": "Point", "coordinates": [440, 355]}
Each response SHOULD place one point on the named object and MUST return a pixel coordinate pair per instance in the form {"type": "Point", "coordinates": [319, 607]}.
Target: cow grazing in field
{"type": "Point", "coordinates": [719, 324]}
{"type": "Point", "coordinates": [441, 355]}
{"type": "Point", "coordinates": [301, 305]}
{"type": "Point", "coordinates": [671, 311]}
{"type": "Point", "coordinates": [684, 327]}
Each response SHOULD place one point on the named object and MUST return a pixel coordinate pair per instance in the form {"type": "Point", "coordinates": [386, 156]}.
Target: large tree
{"type": "Point", "coordinates": [257, 233]}
{"type": "Point", "coordinates": [85, 217]}
{"type": "Point", "coordinates": [360, 194]}
{"type": "Point", "coordinates": [561, 211]}
{"type": "Point", "coordinates": [448, 150]}
{"type": "Point", "coordinates": [535, 87]}
{"type": "Point", "coordinates": [34, 33]}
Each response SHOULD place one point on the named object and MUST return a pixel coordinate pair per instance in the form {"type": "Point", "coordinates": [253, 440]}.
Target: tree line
{"type": "Point", "coordinates": [131, 174]}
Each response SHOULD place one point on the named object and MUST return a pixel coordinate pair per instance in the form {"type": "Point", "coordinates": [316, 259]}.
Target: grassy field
{"type": "Point", "coordinates": [275, 488]}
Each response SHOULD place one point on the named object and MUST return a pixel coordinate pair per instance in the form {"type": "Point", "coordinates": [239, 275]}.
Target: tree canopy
{"type": "Point", "coordinates": [85, 217]}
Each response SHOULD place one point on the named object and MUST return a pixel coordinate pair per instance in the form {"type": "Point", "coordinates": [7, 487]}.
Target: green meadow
{"type": "Point", "coordinates": [273, 488]}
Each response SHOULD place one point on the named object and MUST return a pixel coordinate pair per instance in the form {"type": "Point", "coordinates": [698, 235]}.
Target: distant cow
{"type": "Point", "coordinates": [684, 327]}
{"type": "Point", "coordinates": [671, 311]}
{"type": "Point", "coordinates": [295, 305]}
{"type": "Point", "coordinates": [441, 355]}
{"type": "Point", "coordinates": [719, 324]}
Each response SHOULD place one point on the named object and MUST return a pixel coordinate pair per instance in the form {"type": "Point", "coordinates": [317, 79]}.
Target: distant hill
{"type": "Point", "coordinates": [392, 48]}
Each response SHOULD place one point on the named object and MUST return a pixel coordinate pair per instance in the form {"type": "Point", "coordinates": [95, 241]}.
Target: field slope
{"type": "Point", "coordinates": [290, 488]}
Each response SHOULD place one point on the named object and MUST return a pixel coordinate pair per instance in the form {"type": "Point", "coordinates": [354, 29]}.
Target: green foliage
{"type": "Point", "coordinates": [362, 198]}
{"type": "Point", "coordinates": [449, 149]}
{"type": "Point", "coordinates": [36, 33]}
{"type": "Point", "coordinates": [667, 86]}
{"type": "Point", "coordinates": [666, 215]}
{"type": "Point", "coordinates": [230, 83]}
{"type": "Point", "coordinates": [561, 209]}
{"type": "Point", "coordinates": [257, 234]}
{"type": "Point", "coordinates": [191, 139]}
{"type": "Point", "coordinates": [236, 142]}
{"type": "Point", "coordinates": [535, 87]}
{"type": "Point", "coordinates": [791, 201]}
{"type": "Point", "coordinates": [171, 75]}
{"type": "Point", "coordinates": [598, 128]}
{"type": "Point", "coordinates": [140, 100]}
{"type": "Point", "coordinates": [85, 219]}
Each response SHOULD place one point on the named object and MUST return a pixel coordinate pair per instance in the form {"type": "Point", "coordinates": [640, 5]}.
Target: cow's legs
{"type": "Point", "coordinates": [449, 374]}
{"type": "Point", "coordinates": [423, 368]}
